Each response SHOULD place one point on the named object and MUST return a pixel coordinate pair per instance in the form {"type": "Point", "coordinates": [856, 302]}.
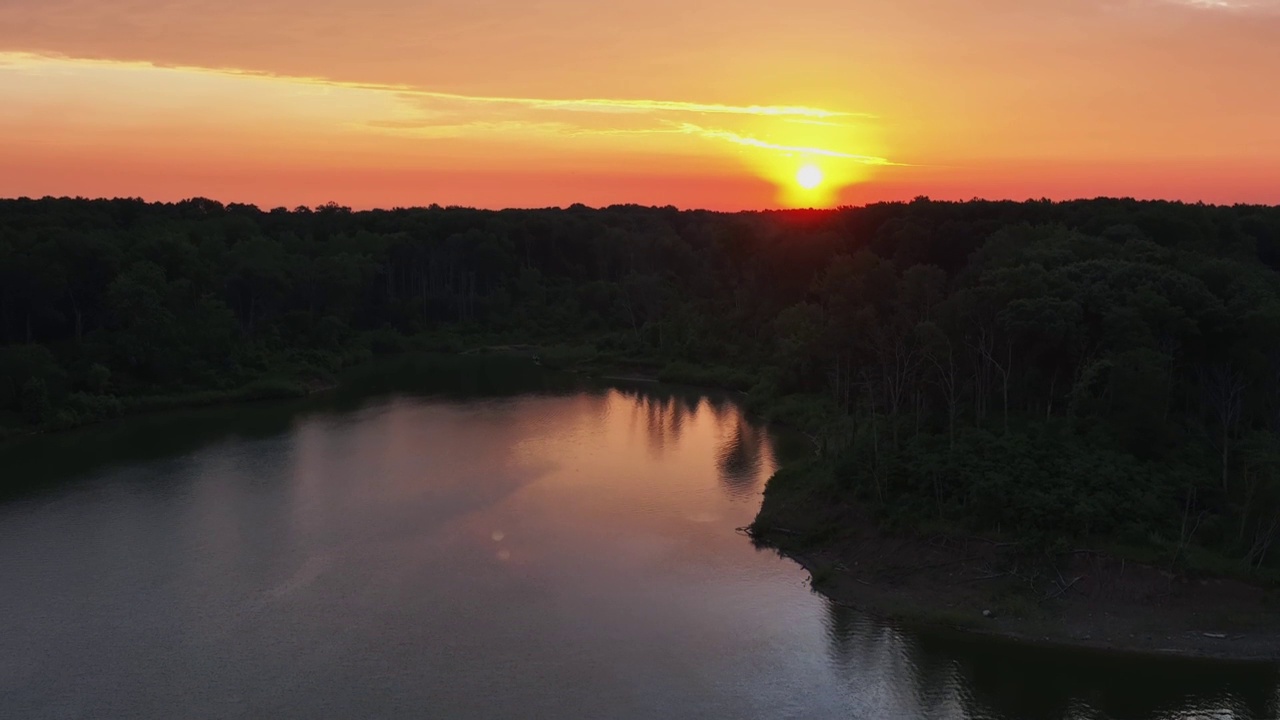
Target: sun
{"type": "Point", "coordinates": [809, 177]}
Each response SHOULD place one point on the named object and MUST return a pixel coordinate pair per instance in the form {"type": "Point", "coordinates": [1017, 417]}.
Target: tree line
{"type": "Point", "coordinates": [1092, 369]}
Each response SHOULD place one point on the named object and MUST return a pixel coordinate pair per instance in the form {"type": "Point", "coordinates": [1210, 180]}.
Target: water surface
{"type": "Point", "coordinates": [477, 540]}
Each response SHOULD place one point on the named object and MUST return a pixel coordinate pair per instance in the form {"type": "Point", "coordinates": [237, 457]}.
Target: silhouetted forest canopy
{"type": "Point", "coordinates": [1090, 371]}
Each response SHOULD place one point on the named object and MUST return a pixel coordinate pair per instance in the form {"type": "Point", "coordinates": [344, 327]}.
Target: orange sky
{"type": "Point", "coordinates": [694, 103]}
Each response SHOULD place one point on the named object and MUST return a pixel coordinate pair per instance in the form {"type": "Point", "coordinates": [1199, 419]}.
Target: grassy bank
{"type": "Point", "coordinates": [292, 375]}
{"type": "Point", "coordinates": [85, 409]}
{"type": "Point", "coordinates": [277, 376]}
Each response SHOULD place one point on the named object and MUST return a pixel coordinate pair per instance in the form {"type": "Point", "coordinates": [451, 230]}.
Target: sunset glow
{"type": "Point", "coordinates": [391, 102]}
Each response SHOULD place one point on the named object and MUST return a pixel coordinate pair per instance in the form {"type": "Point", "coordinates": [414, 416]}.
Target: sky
{"type": "Point", "coordinates": [694, 103]}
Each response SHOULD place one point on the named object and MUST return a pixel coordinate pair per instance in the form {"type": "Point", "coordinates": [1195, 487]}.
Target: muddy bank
{"type": "Point", "coordinates": [1085, 599]}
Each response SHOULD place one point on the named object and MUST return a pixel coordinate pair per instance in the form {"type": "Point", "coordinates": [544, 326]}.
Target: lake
{"type": "Point", "coordinates": [479, 539]}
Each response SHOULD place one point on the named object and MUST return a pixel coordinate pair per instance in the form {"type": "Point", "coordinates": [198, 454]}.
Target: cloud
{"type": "Point", "coordinates": [418, 129]}
{"type": "Point", "coordinates": [748, 141]}
{"type": "Point", "coordinates": [1241, 6]}
{"type": "Point", "coordinates": [621, 105]}
{"type": "Point", "coordinates": [426, 114]}
{"type": "Point", "coordinates": [590, 105]}
{"type": "Point", "coordinates": [620, 117]}
{"type": "Point", "coordinates": [509, 128]}
{"type": "Point", "coordinates": [821, 123]}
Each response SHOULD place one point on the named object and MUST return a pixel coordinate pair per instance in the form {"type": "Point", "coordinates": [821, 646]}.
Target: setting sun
{"type": "Point", "coordinates": [809, 177]}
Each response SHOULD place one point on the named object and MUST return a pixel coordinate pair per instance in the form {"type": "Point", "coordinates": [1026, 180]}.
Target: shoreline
{"type": "Point", "coordinates": [953, 592]}
{"type": "Point", "coordinates": [273, 388]}
{"type": "Point", "coordinates": [927, 597]}
{"type": "Point", "coordinates": [132, 406]}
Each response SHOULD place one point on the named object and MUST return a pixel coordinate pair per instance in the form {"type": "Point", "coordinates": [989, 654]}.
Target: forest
{"type": "Point", "coordinates": [1103, 371]}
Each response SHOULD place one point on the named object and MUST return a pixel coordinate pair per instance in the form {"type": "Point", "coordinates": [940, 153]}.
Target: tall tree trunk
{"type": "Point", "coordinates": [875, 438]}
{"type": "Point", "coordinates": [1226, 455]}
{"type": "Point", "coordinates": [1224, 386]}
{"type": "Point", "coordinates": [1053, 385]}
{"type": "Point", "coordinates": [75, 309]}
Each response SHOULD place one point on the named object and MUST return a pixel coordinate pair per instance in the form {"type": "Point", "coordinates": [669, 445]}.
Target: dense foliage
{"type": "Point", "coordinates": [1094, 369]}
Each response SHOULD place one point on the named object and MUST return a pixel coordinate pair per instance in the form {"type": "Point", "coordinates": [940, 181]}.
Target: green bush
{"type": "Point", "coordinates": [34, 402]}
{"type": "Point", "coordinates": [271, 389]}
{"type": "Point", "coordinates": [682, 373]}
{"type": "Point", "coordinates": [97, 378]}
{"type": "Point", "coordinates": [385, 342]}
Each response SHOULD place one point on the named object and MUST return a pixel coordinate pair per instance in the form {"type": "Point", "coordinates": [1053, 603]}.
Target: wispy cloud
{"type": "Point", "coordinates": [441, 130]}
{"type": "Point", "coordinates": [609, 105]}
{"type": "Point", "coordinates": [621, 117]}
{"type": "Point", "coordinates": [738, 139]}
{"type": "Point", "coordinates": [1241, 6]}
{"type": "Point", "coordinates": [413, 128]}
{"type": "Point", "coordinates": [595, 105]}
{"type": "Point", "coordinates": [821, 123]}
{"type": "Point", "coordinates": [425, 114]}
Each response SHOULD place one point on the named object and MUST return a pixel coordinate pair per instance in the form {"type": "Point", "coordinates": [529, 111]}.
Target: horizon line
{"type": "Point", "coordinates": [579, 205]}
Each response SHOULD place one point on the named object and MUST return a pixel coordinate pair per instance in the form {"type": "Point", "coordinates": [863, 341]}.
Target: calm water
{"type": "Point", "coordinates": [476, 541]}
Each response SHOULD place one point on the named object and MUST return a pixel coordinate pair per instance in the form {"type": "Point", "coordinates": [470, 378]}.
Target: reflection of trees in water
{"type": "Point", "coordinates": [985, 678]}
{"type": "Point", "coordinates": [44, 461]}
{"type": "Point", "coordinates": [739, 458]}
{"type": "Point", "coordinates": [664, 413]}
{"type": "Point", "coordinates": [882, 661]}
{"type": "Point", "coordinates": [1012, 681]}
{"type": "Point", "coordinates": [721, 409]}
